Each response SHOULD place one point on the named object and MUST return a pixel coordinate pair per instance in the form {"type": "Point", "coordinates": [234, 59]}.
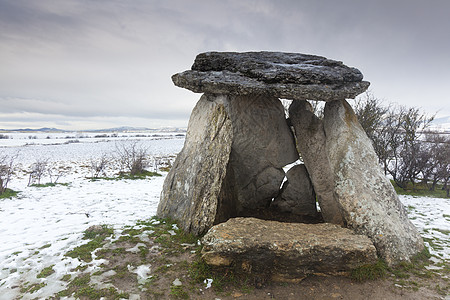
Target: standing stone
{"type": "Point", "coordinates": [311, 141]}
{"type": "Point", "coordinates": [369, 202]}
{"type": "Point", "coordinates": [192, 188]}
{"type": "Point", "coordinates": [262, 145]}
{"type": "Point", "coordinates": [227, 170]}
{"type": "Point", "coordinates": [297, 195]}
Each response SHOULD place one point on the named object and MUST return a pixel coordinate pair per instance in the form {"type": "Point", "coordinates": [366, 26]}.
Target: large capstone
{"type": "Point", "coordinates": [282, 75]}
{"type": "Point", "coordinates": [285, 251]}
{"type": "Point", "coordinates": [367, 199]}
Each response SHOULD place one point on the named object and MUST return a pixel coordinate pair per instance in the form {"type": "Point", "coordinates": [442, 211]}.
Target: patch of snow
{"type": "Point", "coordinates": [431, 216]}
{"type": "Point", "coordinates": [208, 283]}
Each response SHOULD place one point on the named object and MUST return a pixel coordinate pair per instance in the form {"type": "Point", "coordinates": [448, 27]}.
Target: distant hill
{"type": "Point", "coordinates": [442, 123]}
{"type": "Point", "coordinates": [44, 129]}
{"type": "Point", "coordinates": [128, 128]}
{"type": "Point", "coordinates": [115, 129]}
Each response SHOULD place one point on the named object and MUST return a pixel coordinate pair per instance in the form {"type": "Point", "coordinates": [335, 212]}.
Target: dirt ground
{"type": "Point", "coordinates": [317, 287]}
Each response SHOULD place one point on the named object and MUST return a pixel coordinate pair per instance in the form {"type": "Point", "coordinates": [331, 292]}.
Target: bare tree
{"type": "Point", "coordinates": [38, 169]}
{"type": "Point", "coordinates": [410, 161]}
{"type": "Point", "coordinates": [382, 125]}
{"type": "Point", "coordinates": [6, 170]}
{"type": "Point", "coordinates": [55, 173]}
{"type": "Point", "coordinates": [437, 153]}
{"type": "Point", "coordinates": [132, 157]}
{"type": "Point", "coordinates": [98, 166]}
{"type": "Point", "coordinates": [396, 134]}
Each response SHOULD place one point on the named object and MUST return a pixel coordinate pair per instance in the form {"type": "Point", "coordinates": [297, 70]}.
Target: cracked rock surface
{"type": "Point", "coordinates": [283, 75]}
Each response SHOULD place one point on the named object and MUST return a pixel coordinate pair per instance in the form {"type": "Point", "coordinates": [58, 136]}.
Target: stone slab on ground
{"type": "Point", "coordinates": [286, 251]}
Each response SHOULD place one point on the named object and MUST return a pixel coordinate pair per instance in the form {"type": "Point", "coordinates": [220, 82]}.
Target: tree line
{"type": "Point", "coordinates": [408, 150]}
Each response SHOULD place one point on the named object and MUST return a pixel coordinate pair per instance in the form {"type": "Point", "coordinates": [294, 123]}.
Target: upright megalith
{"type": "Point", "coordinates": [231, 163]}
{"type": "Point", "coordinates": [193, 187]}
{"type": "Point", "coordinates": [262, 145]}
{"type": "Point", "coordinates": [369, 202]}
{"type": "Point", "coordinates": [312, 145]}
{"type": "Point", "coordinates": [238, 142]}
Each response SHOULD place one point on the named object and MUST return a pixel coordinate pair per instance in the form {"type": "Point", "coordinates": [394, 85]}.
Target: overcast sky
{"type": "Point", "coordinates": [84, 64]}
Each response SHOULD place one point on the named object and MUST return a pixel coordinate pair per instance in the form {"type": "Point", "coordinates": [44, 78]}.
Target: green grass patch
{"type": "Point", "coordinates": [46, 272]}
{"type": "Point", "coordinates": [31, 288]}
{"type": "Point", "coordinates": [417, 266]}
{"type": "Point", "coordinates": [165, 169]}
{"type": "Point", "coordinates": [98, 231]}
{"type": "Point", "coordinates": [433, 242]}
{"type": "Point", "coordinates": [178, 292]}
{"type": "Point", "coordinates": [97, 234]}
{"type": "Point", "coordinates": [370, 271]}
{"type": "Point", "coordinates": [81, 288]}
{"type": "Point", "coordinates": [142, 175]}
{"type": "Point", "coordinates": [126, 175]}
{"type": "Point", "coordinates": [420, 189]}
{"type": "Point", "coordinates": [45, 246]}
{"type": "Point", "coordinates": [49, 184]}
{"type": "Point", "coordinates": [84, 252]}
{"type": "Point", "coordinates": [8, 193]}
{"type": "Point", "coordinates": [66, 277]}
{"type": "Point", "coordinates": [443, 231]}
{"type": "Point", "coordinates": [223, 279]}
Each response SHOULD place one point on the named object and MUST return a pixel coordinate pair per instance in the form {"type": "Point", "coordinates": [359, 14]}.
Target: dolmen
{"type": "Point", "coordinates": [229, 182]}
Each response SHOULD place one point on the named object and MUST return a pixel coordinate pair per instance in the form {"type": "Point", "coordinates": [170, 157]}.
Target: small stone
{"type": "Point", "coordinates": [177, 282]}
{"type": "Point", "coordinates": [135, 249]}
{"type": "Point", "coordinates": [335, 295]}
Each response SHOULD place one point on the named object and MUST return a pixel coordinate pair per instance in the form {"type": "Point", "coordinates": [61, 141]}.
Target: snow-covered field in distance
{"type": "Point", "coordinates": [42, 224]}
{"type": "Point", "coordinates": [57, 216]}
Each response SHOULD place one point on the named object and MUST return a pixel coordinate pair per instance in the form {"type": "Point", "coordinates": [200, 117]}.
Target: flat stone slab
{"type": "Point", "coordinates": [286, 251]}
{"type": "Point", "coordinates": [283, 75]}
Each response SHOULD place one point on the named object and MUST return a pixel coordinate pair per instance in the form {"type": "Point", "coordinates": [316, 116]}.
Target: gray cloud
{"type": "Point", "coordinates": [113, 59]}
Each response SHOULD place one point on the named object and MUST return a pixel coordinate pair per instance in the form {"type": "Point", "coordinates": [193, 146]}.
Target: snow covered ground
{"type": "Point", "coordinates": [42, 224]}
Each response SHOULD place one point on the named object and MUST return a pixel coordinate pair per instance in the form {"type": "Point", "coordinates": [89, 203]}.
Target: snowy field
{"type": "Point", "coordinates": [42, 224]}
